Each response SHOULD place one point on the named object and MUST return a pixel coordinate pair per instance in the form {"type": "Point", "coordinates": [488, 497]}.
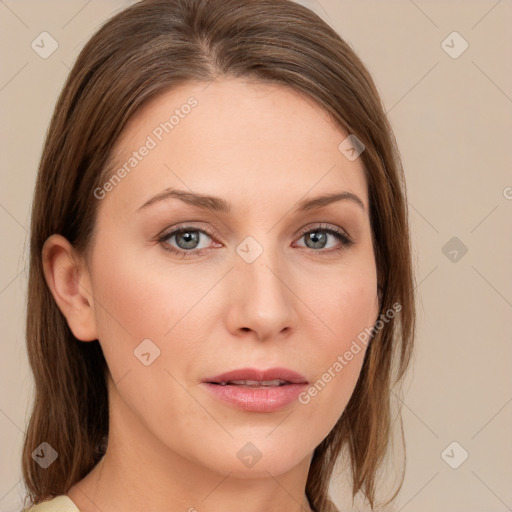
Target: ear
{"type": "Point", "coordinates": [69, 282]}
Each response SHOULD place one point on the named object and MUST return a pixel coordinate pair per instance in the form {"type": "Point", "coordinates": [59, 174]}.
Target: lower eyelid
{"type": "Point", "coordinates": [175, 232]}
{"type": "Point", "coordinates": [344, 240]}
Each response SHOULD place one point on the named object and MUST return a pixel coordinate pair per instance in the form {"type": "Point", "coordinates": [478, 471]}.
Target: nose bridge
{"type": "Point", "coordinates": [263, 300]}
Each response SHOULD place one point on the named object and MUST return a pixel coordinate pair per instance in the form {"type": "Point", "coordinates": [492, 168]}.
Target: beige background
{"type": "Point", "coordinates": [452, 118]}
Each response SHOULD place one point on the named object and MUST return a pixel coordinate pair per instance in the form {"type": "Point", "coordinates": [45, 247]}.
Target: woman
{"type": "Point", "coordinates": [220, 291]}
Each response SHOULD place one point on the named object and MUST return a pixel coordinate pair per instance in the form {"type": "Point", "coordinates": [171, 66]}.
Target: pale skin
{"type": "Point", "coordinates": [173, 446]}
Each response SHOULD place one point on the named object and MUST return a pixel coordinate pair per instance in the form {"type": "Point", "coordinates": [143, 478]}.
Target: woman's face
{"type": "Point", "coordinates": [260, 283]}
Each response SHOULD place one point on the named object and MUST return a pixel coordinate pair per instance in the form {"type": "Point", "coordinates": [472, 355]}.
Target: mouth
{"type": "Point", "coordinates": [257, 390]}
{"type": "Point", "coordinates": [254, 377]}
{"type": "Point", "coordinates": [253, 383]}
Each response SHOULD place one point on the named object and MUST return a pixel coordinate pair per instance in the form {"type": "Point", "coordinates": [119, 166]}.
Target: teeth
{"type": "Point", "coordinates": [276, 382]}
{"type": "Point", "coordinates": [254, 383]}
{"type": "Point", "coordinates": [244, 382]}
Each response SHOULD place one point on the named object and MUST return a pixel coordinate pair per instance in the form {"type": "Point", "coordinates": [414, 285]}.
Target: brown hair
{"type": "Point", "coordinates": [145, 50]}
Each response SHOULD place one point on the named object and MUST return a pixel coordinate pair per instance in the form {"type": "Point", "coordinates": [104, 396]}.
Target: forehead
{"type": "Point", "coordinates": [253, 143]}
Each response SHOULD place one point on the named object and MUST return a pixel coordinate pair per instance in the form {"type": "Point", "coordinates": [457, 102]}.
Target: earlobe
{"type": "Point", "coordinates": [69, 284]}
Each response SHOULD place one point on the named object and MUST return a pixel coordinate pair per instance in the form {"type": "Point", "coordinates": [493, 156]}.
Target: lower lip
{"type": "Point", "coordinates": [269, 399]}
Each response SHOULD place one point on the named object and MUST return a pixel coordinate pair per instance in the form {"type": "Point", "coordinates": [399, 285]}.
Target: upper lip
{"type": "Point", "coordinates": [259, 375]}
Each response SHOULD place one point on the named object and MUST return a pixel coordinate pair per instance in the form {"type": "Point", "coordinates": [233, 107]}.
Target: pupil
{"type": "Point", "coordinates": [191, 238]}
{"type": "Point", "coordinates": [317, 238]}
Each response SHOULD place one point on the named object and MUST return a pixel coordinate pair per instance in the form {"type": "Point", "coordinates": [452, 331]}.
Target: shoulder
{"type": "Point", "coordinates": [58, 504]}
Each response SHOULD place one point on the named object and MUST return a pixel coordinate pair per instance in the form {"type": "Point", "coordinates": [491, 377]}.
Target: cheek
{"type": "Point", "coordinates": [353, 315]}
{"type": "Point", "coordinates": [128, 306]}
{"type": "Point", "coordinates": [128, 302]}
{"type": "Point", "coordinates": [138, 300]}
{"type": "Point", "coordinates": [348, 312]}
{"type": "Point", "coordinates": [340, 305]}
{"type": "Point", "coordinates": [150, 338]}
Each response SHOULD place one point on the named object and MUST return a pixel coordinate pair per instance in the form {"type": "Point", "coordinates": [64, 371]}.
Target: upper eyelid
{"type": "Point", "coordinates": [166, 233]}
{"type": "Point", "coordinates": [211, 232]}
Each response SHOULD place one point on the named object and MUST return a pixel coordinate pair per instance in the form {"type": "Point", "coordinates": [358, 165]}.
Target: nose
{"type": "Point", "coordinates": [262, 303]}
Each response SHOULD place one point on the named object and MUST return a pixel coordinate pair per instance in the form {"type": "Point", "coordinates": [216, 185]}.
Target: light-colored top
{"type": "Point", "coordinates": [58, 504]}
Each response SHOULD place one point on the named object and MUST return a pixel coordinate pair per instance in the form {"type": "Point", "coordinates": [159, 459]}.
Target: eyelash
{"type": "Point", "coordinates": [345, 240]}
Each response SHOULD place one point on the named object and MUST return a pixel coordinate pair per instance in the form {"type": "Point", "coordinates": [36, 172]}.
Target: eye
{"type": "Point", "coordinates": [318, 237]}
{"type": "Point", "coordinates": [186, 241]}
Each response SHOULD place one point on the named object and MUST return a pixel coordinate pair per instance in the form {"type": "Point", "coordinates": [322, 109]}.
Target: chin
{"type": "Point", "coordinates": [257, 459]}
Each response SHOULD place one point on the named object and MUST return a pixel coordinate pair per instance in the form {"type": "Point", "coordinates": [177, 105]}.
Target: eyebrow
{"type": "Point", "coordinates": [218, 204]}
